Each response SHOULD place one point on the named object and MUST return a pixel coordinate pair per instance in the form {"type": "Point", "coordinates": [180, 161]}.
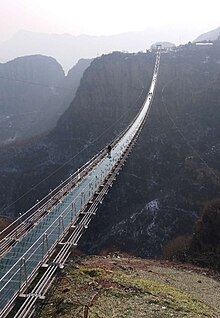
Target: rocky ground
{"type": "Point", "coordinates": [118, 285]}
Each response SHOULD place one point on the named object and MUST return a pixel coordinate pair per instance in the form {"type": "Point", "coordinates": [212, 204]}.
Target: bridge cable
{"type": "Point", "coordinates": [76, 155]}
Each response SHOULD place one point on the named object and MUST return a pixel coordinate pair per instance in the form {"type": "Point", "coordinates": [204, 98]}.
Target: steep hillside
{"type": "Point", "coordinates": [30, 94]}
{"type": "Point", "coordinates": [72, 82]}
{"type": "Point", "coordinates": [110, 93]}
{"type": "Point", "coordinates": [34, 92]}
{"type": "Point", "coordinates": [113, 86]}
{"type": "Point", "coordinates": [174, 168]}
{"type": "Point", "coordinates": [119, 286]}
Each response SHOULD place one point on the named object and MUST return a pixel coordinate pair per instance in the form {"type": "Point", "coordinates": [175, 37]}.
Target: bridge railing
{"type": "Point", "coordinates": [24, 269]}
{"type": "Point", "coordinates": [26, 220]}
{"type": "Point", "coordinates": [42, 207]}
{"type": "Point", "coordinates": [39, 243]}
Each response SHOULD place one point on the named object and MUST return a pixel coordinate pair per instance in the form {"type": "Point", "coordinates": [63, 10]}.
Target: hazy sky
{"type": "Point", "coordinates": [99, 17]}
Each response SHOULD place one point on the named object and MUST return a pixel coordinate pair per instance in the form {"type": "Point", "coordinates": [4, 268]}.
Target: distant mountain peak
{"type": "Point", "coordinates": [209, 36]}
{"type": "Point", "coordinates": [67, 49]}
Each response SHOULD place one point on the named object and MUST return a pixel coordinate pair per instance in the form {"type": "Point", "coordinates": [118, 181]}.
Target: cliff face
{"type": "Point", "coordinates": [72, 81]}
{"type": "Point", "coordinates": [112, 86]}
{"type": "Point", "coordinates": [34, 92]}
{"type": "Point", "coordinates": [174, 168]}
{"type": "Point", "coordinates": [30, 94]}
{"type": "Point", "coordinates": [172, 171]}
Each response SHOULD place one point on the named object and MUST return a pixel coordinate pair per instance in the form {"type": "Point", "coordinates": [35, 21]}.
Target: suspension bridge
{"type": "Point", "coordinates": [38, 243]}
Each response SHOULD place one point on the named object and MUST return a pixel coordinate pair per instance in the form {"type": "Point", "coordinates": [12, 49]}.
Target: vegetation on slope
{"type": "Point", "coordinates": [129, 287]}
{"type": "Point", "coordinates": [203, 247]}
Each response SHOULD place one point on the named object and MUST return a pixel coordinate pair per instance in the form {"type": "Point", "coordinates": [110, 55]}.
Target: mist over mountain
{"type": "Point", "coordinates": [68, 49]}
{"type": "Point", "coordinates": [34, 92]}
{"type": "Point", "coordinates": [209, 36]}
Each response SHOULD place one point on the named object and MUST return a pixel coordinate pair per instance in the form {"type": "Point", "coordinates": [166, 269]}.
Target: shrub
{"type": "Point", "coordinates": [205, 245]}
{"type": "Point", "coordinates": [178, 248]}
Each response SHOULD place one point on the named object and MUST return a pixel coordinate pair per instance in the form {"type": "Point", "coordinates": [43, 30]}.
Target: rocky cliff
{"type": "Point", "coordinates": [110, 93]}
{"type": "Point", "coordinates": [29, 95]}
{"type": "Point", "coordinates": [34, 92]}
{"type": "Point", "coordinates": [173, 169]}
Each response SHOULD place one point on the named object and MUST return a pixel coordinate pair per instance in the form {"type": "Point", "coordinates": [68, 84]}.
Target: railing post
{"type": "Point", "coordinates": [23, 272]}
{"type": "Point", "coordinates": [96, 181]}
{"type": "Point", "coordinates": [20, 217]}
{"type": "Point", "coordinates": [82, 197]}
{"type": "Point", "coordinates": [61, 226]}
{"type": "Point", "coordinates": [37, 204]}
{"type": "Point", "coordinates": [73, 210]}
{"type": "Point", "coordinates": [71, 218]}
{"type": "Point", "coordinates": [90, 188]}
{"type": "Point", "coordinates": [45, 244]}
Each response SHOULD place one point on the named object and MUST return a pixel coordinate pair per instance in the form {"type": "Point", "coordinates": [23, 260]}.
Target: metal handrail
{"type": "Point", "coordinates": [128, 139]}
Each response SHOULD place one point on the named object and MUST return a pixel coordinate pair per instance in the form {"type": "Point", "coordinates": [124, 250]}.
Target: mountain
{"type": "Point", "coordinates": [72, 81]}
{"type": "Point", "coordinates": [110, 93]}
{"type": "Point", "coordinates": [108, 90]}
{"type": "Point", "coordinates": [34, 92]}
{"type": "Point", "coordinates": [209, 36]}
{"type": "Point", "coordinates": [173, 170]}
{"type": "Point", "coordinates": [68, 49]}
{"type": "Point", "coordinates": [30, 95]}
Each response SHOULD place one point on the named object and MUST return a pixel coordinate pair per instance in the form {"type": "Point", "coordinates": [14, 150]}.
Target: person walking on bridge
{"type": "Point", "coordinates": [109, 149]}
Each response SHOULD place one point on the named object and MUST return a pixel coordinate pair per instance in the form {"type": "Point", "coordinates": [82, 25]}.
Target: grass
{"type": "Point", "coordinates": [116, 293]}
